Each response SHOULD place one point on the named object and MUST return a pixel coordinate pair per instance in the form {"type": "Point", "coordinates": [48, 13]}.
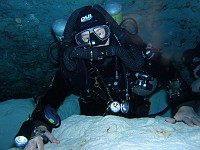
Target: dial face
{"type": "Point", "coordinates": [115, 106]}
{"type": "Point", "coordinates": [125, 107]}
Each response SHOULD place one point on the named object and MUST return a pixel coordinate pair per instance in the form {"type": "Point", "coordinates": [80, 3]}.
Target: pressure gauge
{"type": "Point", "coordinates": [115, 106]}
{"type": "Point", "coordinates": [125, 107]}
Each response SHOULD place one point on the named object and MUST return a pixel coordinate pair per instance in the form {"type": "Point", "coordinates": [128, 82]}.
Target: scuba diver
{"type": "Point", "coordinates": [99, 62]}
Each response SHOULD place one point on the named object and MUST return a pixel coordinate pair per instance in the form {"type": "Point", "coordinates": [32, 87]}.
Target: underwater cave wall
{"type": "Point", "coordinates": [25, 27]}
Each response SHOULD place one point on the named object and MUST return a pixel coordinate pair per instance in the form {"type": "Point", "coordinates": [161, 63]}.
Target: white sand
{"type": "Point", "coordinates": [118, 133]}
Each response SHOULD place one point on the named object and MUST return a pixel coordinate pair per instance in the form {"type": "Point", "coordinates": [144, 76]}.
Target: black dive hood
{"type": "Point", "coordinates": [71, 27]}
{"type": "Point", "coordinates": [130, 59]}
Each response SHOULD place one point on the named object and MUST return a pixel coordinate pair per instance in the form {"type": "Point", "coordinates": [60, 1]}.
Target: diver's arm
{"type": "Point", "coordinates": [47, 104]}
{"type": "Point", "coordinates": [54, 96]}
{"type": "Point", "coordinates": [57, 91]}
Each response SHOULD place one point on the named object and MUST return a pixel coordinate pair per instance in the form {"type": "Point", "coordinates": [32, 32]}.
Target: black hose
{"type": "Point", "coordinates": [133, 62]}
{"type": "Point", "coordinates": [132, 22]}
{"type": "Point", "coordinates": [53, 59]}
{"type": "Point", "coordinates": [92, 53]}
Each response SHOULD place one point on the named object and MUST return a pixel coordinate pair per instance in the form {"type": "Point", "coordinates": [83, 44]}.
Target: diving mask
{"type": "Point", "coordinates": [93, 36]}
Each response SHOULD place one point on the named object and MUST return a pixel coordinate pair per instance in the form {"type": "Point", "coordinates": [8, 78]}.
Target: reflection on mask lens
{"type": "Point", "coordinates": [101, 32]}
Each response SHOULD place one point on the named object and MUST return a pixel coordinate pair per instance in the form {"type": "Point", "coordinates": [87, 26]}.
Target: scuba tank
{"type": "Point", "coordinates": [58, 28]}
{"type": "Point", "coordinates": [115, 10]}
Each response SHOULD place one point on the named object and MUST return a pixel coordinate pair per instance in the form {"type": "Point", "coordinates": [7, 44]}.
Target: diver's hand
{"type": "Point", "coordinates": [195, 86]}
{"type": "Point", "coordinates": [37, 141]}
{"type": "Point", "coordinates": [187, 115]}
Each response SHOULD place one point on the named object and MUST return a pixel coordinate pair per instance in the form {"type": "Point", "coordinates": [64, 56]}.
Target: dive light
{"type": "Point", "coordinates": [22, 137]}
